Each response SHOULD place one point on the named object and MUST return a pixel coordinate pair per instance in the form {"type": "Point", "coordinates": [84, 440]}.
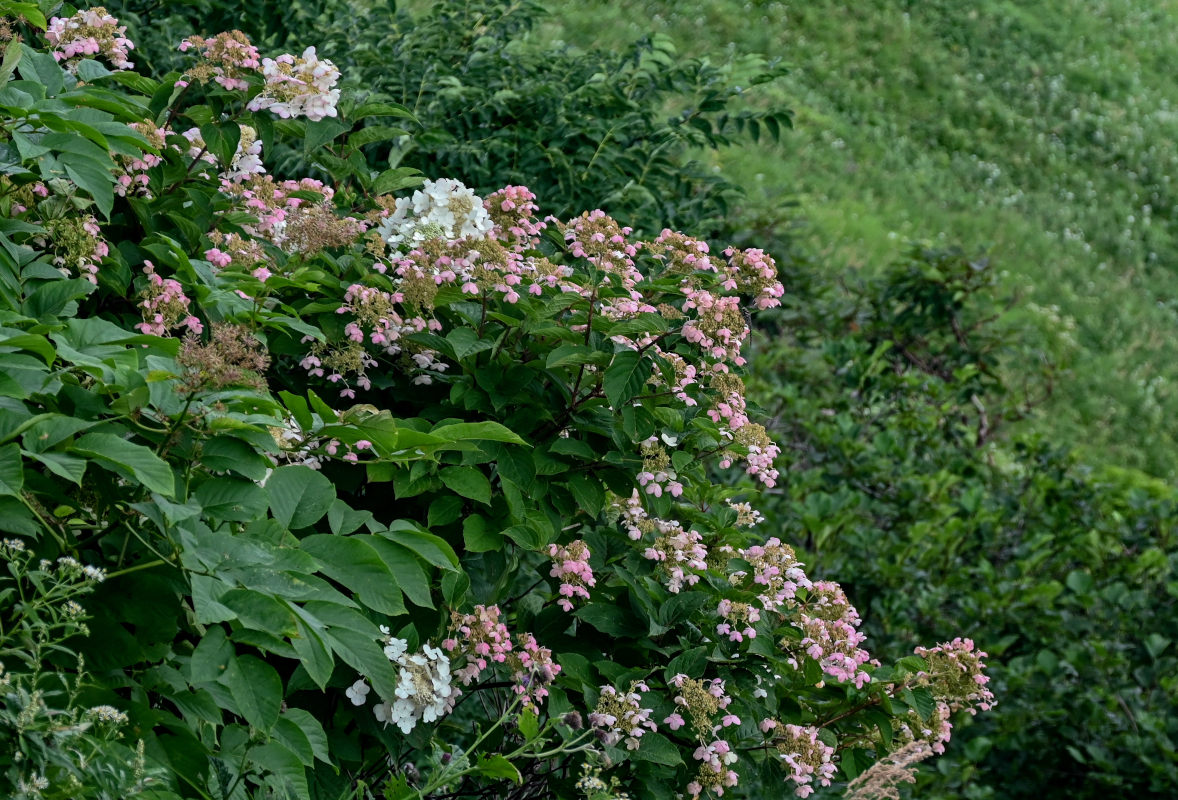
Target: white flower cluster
{"type": "Point", "coordinates": [423, 691]}
{"type": "Point", "coordinates": [299, 87]}
{"type": "Point", "coordinates": [441, 209]}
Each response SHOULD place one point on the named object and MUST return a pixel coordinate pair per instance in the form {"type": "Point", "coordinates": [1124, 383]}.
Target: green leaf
{"type": "Point", "coordinates": [375, 133]}
{"type": "Point", "coordinates": [477, 537]}
{"type": "Point", "coordinates": [573, 354]}
{"type": "Point", "coordinates": [12, 54]}
{"type": "Point", "coordinates": [497, 766]}
{"type": "Point", "coordinates": [211, 659]}
{"type": "Point", "coordinates": [33, 343]}
{"type": "Point", "coordinates": [433, 549]}
{"type": "Point", "coordinates": [260, 611]}
{"type": "Point", "coordinates": [310, 728]}
{"type": "Point", "coordinates": [529, 725]}
{"type": "Point", "coordinates": [299, 409]}
{"type": "Point", "coordinates": [299, 495]}
{"type": "Point", "coordinates": [321, 132]}
{"type": "Point", "coordinates": [610, 619]}
{"type": "Point", "coordinates": [12, 475]}
{"type": "Point", "coordinates": [344, 519]}
{"type": "Point", "coordinates": [129, 459]}
{"type": "Point", "coordinates": [64, 466]}
{"type": "Point", "coordinates": [922, 700]}
{"type": "Point", "coordinates": [407, 569]}
{"type": "Point", "coordinates": [230, 454]}
{"type": "Point", "coordinates": [468, 482]}
{"type": "Point", "coordinates": [657, 748]}
{"type": "Point", "coordinates": [351, 636]}
{"type": "Point", "coordinates": [221, 140]}
{"type": "Point", "coordinates": [484, 431]}
{"type": "Point", "coordinates": [93, 177]}
{"type": "Point", "coordinates": [381, 110]}
{"type": "Point", "coordinates": [285, 767]}
{"type": "Point", "coordinates": [394, 180]}
{"type": "Point", "coordinates": [256, 687]}
{"type": "Point", "coordinates": [40, 68]}
{"type": "Point", "coordinates": [355, 564]}
{"type": "Point", "coordinates": [587, 492]}
{"type": "Point", "coordinates": [313, 652]}
{"type": "Point", "coordinates": [232, 499]}
{"type": "Point", "coordinates": [466, 342]}
{"type": "Point", "coordinates": [1079, 581]}
{"type": "Point", "coordinates": [625, 377]}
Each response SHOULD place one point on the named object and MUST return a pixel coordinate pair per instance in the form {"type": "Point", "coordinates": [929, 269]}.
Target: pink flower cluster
{"type": "Point", "coordinates": [738, 620]}
{"type": "Point", "coordinates": [299, 86]}
{"type": "Point", "coordinates": [532, 670]}
{"type": "Point", "coordinates": [597, 238]}
{"type": "Point", "coordinates": [227, 58]}
{"type": "Point", "coordinates": [92, 32]}
{"type": "Point", "coordinates": [810, 760]}
{"type": "Point", "coordinates": [513, 210]}
{"type": "Point", "coordinates": [831, 636]}
{"type": "Point", "coordinates": [633, 515]}
{"type": "Point", "coordinates": [776, 570]}
{"type": "Point", "coordinates": [719, 327]}
{"type": "Point", "coordinates": [485, 640]}
{"type": "Point", "coordinates": [79, 244]}
{"type": "Point", "coordinates": [620, 716]}
{"type": "Point", "coordinates": [164, 305]}
{"type": "Point", "coordinates": [956, 675]}
{"type": "Point", "coordinates": [271, 201]}
{"type": "Point", "coordinates": [570, 563]}
{"type": "Point", "coordinates": [133, 175]}
{"type": "Point", "coordinates": [753, 272]}
{"type": "Point", "coordinates": [681, 554]}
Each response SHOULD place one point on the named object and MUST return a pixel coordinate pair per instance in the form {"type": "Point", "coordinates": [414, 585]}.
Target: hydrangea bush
{"type": "Point", "coordinates": [391, 496]}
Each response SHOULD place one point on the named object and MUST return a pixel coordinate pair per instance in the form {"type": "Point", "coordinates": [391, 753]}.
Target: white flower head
{"type": "Point", "coordinates": [441, 209]}
{"type": "Point", "coordinates": [423, 690]}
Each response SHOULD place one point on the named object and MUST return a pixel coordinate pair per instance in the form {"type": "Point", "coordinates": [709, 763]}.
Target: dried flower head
{"type": "Point", "coordinates": [232, 357]}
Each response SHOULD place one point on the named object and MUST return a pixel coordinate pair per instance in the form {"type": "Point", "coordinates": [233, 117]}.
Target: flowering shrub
{"type": "Point", "coordinates": [400, 496]}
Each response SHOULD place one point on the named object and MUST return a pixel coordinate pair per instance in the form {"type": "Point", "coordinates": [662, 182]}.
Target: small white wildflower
{"type": "Point", "coordinates": [358, 692]}
{"type": "Point", "coordinates": [108, 714]}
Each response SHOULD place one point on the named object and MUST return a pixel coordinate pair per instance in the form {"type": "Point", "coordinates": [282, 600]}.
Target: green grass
{"type": "Point", "coordinates": [1045, 132]}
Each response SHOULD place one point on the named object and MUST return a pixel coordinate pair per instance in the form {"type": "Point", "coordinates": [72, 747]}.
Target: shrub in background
{"type": "Point", "coordinates": [896, 476]}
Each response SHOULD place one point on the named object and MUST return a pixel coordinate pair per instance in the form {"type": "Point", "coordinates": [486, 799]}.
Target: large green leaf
{"type": "Point", "coordinates": [257, 688]}
{"type": "Point", "coordinates": [299, 495]}
{"type": "Point", "coordinates": [625, 377]}
{"type": "Point", "coordinates": [433, 549]}
{"type": "Point", "coordinates": [468, 482]}
{"type": "Point", "coordinates": [357, 566]}
{"type": "Point", "coordinates": [129, 459]}
{"type": "Point", "coordinates": [12, 476]}
{"type": "Point", "coordinates": [232, 499]}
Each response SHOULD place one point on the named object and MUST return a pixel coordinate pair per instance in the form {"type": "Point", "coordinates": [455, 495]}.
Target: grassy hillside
{"type": "Point", "coordinates": [1046, 133]}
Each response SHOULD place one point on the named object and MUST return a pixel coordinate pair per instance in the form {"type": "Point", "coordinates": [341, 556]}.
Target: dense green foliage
{"type": "Point", "coordinates": [272, 449]}
{"type": "Point", "coordinates": [241, 605]}
{"type": "Point", "coordinates": [900, 481]}
{"type": "Point", "coordinates": [1041, 131]}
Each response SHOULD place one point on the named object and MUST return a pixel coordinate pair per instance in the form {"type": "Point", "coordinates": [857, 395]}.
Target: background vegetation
{"type": "Point", "coordinates": [1043, 132]}
{"type": "Point", "coordinates": [972, 442]}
